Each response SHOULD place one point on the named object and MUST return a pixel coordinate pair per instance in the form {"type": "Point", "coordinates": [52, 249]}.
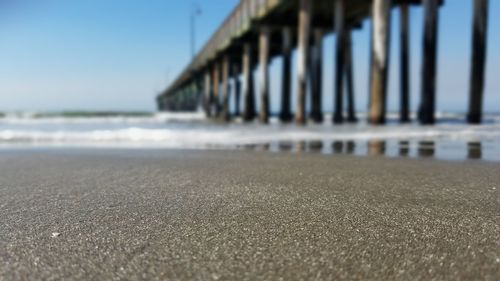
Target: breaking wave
{"type": "Point", "coordinates": [191, 130]}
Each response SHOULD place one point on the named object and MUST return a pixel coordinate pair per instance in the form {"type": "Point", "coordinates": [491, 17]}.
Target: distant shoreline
{"type": "Point", "coordinates": [79, 114]}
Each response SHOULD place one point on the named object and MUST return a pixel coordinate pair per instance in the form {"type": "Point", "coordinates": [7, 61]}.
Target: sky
{"type": "Point", "coordinates": [119, 54]}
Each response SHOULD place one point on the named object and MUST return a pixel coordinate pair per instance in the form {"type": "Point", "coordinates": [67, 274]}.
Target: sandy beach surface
{"type": "Point", "coordinates": [234, 215]}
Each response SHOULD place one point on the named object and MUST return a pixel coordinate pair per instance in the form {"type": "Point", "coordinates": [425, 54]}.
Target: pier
{"type": "Point", "coordinates": [259, 30]}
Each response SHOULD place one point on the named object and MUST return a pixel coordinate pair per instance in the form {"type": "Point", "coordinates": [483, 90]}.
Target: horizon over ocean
{"type": "Point", "coordinates": [450, 139]}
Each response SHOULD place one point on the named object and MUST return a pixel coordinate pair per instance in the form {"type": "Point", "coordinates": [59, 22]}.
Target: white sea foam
{"type": "Point", "coordinates": [192, 131]}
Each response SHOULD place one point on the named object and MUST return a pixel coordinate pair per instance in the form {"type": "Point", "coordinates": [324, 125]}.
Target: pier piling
{"type": "Point", "coordinates": [207, 94]}
{"type": "Point", "coordinates": [381, 15]}
{"type": "Point", "coordinates": [404, 63]}
{"type": "Point", "coordinates": [478, 63]}
{"type": "Point", "coordinates": [429, 66]}
{"type": "Point", "coordinates": [225, 88]}
{"type": "Point", "coordinates": [349, 71]}
{"type": "Point", "coordinates": [237, 90]}
{"type": "Point", "coordinates": [286, 90]}
{"type": "Point", "coordinates": [249, 107]}
{"type": "Point", "coordinates": [304, 30]}
{"type": "Point", "coordinates": [216, 87]}
{"type": "Point", "coordinates": [317, 79]}
{"type": "Point", "coordinates": [264, 73]}
{"type": "Point", "coordinates": [339, 25]}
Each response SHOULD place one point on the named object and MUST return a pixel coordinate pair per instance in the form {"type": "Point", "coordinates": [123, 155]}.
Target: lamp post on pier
{"type": "Point", "coordinates": [195, 11]}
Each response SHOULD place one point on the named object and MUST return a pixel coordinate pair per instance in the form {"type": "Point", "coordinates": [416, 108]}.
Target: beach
{"type": "Point", "coordinates": [236, 215]}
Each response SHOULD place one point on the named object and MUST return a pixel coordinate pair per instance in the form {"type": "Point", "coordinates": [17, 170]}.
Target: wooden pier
{"type": "Point", "coordinates": [259, 30]}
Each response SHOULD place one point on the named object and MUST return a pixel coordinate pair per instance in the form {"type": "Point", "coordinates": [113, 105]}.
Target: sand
{"type": "Point", "coordinates": [215, 215]}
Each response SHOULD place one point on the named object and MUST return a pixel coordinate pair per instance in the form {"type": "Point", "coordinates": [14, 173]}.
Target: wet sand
{"type": "Point", "coordinates": [214, 215]}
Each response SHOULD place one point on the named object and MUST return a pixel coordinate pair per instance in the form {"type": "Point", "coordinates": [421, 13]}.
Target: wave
{"type": "Point", "coordinates": [238, 134]}
{"type": "Point", "coordinates": [103, 118]}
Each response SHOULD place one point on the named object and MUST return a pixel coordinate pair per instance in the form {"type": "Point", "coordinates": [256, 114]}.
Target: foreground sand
{"type": "Point", "coordinates": [194, 215]}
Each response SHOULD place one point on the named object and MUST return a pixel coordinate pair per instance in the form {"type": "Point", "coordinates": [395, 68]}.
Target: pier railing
{"type": "Point", "coordinates": [235, 26]}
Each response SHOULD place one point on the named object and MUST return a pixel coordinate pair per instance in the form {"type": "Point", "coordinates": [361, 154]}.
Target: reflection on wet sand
{"type": "Point", "coordinates": [250, 147]}
{"type": "Point", "coordinates": [376, 147]}
{"type": "Point", "coordinates": [315, 146]}
{"type": "Point", "coordinates": [426, 149]}
{"type": "Point", "coordinates": [404, 148]}
{"type": "Point", "coordinates": [285, 146]}
{"type": "Point", "coordinates": [264, 147]}
{"type": "Point", "coordinates": [350, 147]}
{"type": "Point", "coordinates": [338, 147]}
{"type": "Point", "coordinates": [301, 146]}
{"type": "Point", "coordinates": [474, 150]}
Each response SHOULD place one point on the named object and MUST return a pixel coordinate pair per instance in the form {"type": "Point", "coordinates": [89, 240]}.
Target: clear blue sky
{"type": "Point", "coordinates": [118, 54]}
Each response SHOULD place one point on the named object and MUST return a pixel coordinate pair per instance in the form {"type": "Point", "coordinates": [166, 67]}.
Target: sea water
{"type": "Point", "coordinates": [451, 138]}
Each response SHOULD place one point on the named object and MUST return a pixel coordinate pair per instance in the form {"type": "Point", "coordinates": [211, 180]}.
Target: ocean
{"type": "Point", "coordinates": [450, 139]}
